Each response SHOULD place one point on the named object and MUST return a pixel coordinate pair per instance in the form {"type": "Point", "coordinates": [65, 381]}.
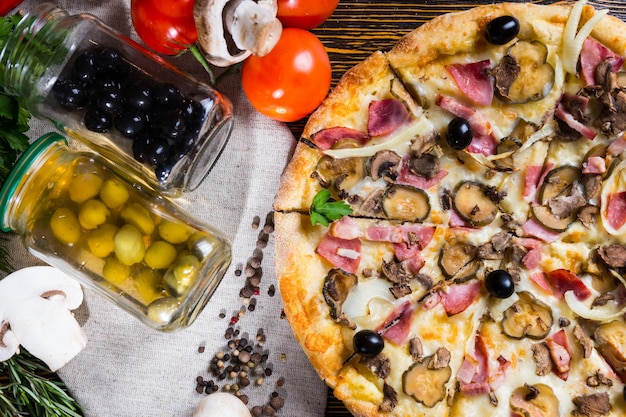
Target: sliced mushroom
{"type": "Point", "coordinates": [527, 317]}
{"type": "Point", "coordinates": [385, 164]}
{"type": "Point", "coordinates": [523, 74]}
{"type": "Point", "coordinates": [406, 203]}
{"type": "Point", "coordinates": [341, 173]}
{"type": "Point", "coordinates": [472, 203]}
{"type": "Point", "coordinates": [610, 340]}
{"type": "Point", "coordinates": [458, 260]}
{"type": "Point", "coordinates": [425, 383]}
{"type": "Point", "coordinates": [229, 31]}
{"type": "Point", "coordinates": [504, 153]}
{"type": "Point", "coordinates": [558, 182]}
{"type": "Point", "coordinates": [426, 165]}
{"type": "Point", "coordinates": [336, 288]}
{"type": "Point", "coordinates": [547, 219]}
{"type": "Point", "coordinates": [534, 401]}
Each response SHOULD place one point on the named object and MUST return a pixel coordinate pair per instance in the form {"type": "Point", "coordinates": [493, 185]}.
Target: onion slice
{"type": "Point", "coordinates": [601, 314]}
{"type": "Point", "coordinates": [573, 40]}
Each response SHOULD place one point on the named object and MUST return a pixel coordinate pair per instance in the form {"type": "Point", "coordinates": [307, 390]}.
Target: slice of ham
{"type": "Point", "coordinates": [570, 120]}
{"type": "Point", "coordinates": [474, 81]}
{"type": "Point", "coordinates": [386, 116]}
{"type": "Point", "coordinates": [533, 257]}
{"type": "Point", "coordinates": [406, 177]}
{"type": "Point", "coordinates": [325, 139]}
{"type": "Point", "coordinates": [617, 146]}
{"type": "Point", "coordinates": [342, 253]}
{"type": "Point", "coordinates": [346, 228]}
{"type": "Point", "coordinates": [483, 144]}
{"type": "Point", "coordinates": [480, 125]}
{"type": "Point", "coordinates": [532, 228]}
{"type": "Point", "coordinates": [594, 165]}
{"type": "Point", "coordinates": [540, 279]}
{"type": "Point", "coordinates": [409, 233]}
{"type": "Point", "coordinates": [592, 53]}
{"type": "Point", "coordinates": [411, 254]}
{"type": "Point", "coordinates": [563, 280]}
{"type": "Point", "coordinates": [534, 175]}
{"type": "Point", "coordinates": [397, 326]}
{"type": "Point", "coordinates": [475, 370]}
{"type": "Point", "coordinates": [560, 353]}
{"type": "Point", "coordinates": [616, 210]}
{"type": "Point", "coordinates": [457, 221]}
{"type": "Point", "coordinates": [458, 297]}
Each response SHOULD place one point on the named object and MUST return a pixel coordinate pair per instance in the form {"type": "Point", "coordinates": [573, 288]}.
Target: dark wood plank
{"type": "Point", "coordinates": [360, 27]}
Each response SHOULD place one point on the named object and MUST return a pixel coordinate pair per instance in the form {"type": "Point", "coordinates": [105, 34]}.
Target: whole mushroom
{"type": "Point", "coordinates": [221, 404]}
{"type": "Point", "coordinates": [35, 306]}
{"type": "Point", "coordinates": [229, 31]}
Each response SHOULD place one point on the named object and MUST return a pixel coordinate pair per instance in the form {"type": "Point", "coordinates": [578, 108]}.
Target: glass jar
{"type": "Point", "coordinates": [125, 102]}
{"type": "Point", "coordinates": [78, 212]}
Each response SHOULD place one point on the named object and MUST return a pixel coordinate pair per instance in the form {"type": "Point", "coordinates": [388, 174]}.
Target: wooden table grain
{"type": "Point", "coordinates": [358, 28]}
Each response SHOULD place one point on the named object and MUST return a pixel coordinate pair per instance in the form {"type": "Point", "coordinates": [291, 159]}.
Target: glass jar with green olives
{"type": "Point", "coordinates": [82, 214]}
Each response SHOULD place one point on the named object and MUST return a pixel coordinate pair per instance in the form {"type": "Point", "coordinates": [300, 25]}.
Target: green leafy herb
{"type": "Point", "coordinates": [325, 210]}
{"type": "Point", "coordinates": [27, 386]}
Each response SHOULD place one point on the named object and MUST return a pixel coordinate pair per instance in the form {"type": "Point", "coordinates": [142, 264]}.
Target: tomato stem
{"type": "Point", "coordinates": [195, 51]}
{"type": "Point", "coordinates": [233, 69]}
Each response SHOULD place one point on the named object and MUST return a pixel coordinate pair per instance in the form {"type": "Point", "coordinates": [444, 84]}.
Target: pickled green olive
{"type": "Point", "coordinates": [139, 217]}
{"type": "Point", "coordinates": [115, 271]}
{"type": "Point", "coordinates": [181, 275]}
{"type": "Point", "coordinates": [129, 245]}
{"type": "Point", "coordinates": [162, 310]}
{"type": "Point", "coordinates": [114, 194]}
{"type": "Point", "coordinates": [65, 226]}
{"type": "Point", "coordinates": [147, 283]}
{"type": "Point", "coordinates": [101, 241]}
{"type": "Point", "coordinates": [174, 232]}
{"type": "Point", "coordinates": [160, 255]}
{"type": "Point", "coordinates": [84, 187]}
{"type": "Point", "coordinates": [92, 214]}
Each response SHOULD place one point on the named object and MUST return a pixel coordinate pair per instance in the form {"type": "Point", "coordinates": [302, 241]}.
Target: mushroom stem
{"type": "Point", "coordinates": [253, 26]}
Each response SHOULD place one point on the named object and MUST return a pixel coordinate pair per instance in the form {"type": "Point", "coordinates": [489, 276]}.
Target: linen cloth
{"type": "Point", "coordinates": [128, 369]}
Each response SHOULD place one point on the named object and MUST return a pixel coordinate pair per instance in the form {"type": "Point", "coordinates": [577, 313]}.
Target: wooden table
{"type": "Point", "coordinates": [359, 27]}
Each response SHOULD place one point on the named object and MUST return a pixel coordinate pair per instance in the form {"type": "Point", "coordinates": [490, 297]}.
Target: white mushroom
{"type": "Point", "coordinates": [221, 404]}
{"type": "Point", "coordinates": [229, 31]}
{"type": "Point", "coordinates": [35, 306]}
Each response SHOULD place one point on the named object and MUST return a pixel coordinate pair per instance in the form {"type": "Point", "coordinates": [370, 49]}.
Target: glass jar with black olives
{"type": "Point", "coordinates": [77, 212]}
{"type": "Point", "coordinates": [103, 89]}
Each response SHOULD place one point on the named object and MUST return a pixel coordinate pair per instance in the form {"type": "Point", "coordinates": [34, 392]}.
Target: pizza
{"type": "Point", "coordinates": [451, 229]}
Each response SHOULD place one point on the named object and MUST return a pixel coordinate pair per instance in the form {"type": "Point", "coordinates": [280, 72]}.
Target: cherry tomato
{"type": "Point", "coordinates": [8, 5]}
{"type": "Point", "coordinates": [166, 26]}
{"type": "Point", "coordinates": [292, 80]}
{"type": "Point", "coordinates": [305, 14]}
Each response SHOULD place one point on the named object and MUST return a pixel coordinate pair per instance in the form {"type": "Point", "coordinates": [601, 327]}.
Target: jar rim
{"type": "Point", "coordinates": [18, 171]}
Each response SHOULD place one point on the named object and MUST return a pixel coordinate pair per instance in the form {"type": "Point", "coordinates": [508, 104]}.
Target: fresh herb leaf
{"type": "Point", "coordinates": [325, 210]}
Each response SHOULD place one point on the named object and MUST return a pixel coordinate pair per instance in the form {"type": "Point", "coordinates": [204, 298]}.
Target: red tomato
{"type": "Point", "coordinates": [305, 14]}
{"type": "Point", "coordinates": [8, 5]}
{"type": "Point", "coordinates": [166, 26]}
{"type": "Point", "coordinates": [292, 80]}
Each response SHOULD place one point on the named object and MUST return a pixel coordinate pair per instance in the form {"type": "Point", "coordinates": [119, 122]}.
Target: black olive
{"type": "Point", "coordinates": [173, 124]}
{"type": "Point", "coordinates": [110, 100]}
{"type": "Point", "coordinates": [157, 151]}
{"type": "Point", "coordinates": [85, 67]}
{"type": "Point", "coordinates": [97, 121]}
{"type": "Point", "coordinates": [138, 94]}
{"type": "Point", "coordinates": [500, 284]}
{"type": "Point", "coordinates": [502, 30]}
{"type": "Point", "coordinates": [168, 95]}
{"type": "Point", "coordinates": [70, 94]}
{"type": "Point", "coordinates": [368, 343]}
{"type": "Point", "coordinates": [129, 124]}
{"type": "Point", "coordinates": [110, 63]}
{"type": "Point", "coordinates": [459, 133]}
{"type": "Point", "coordinates": [163, 171]}
{"type": "Point", "coordinates": [192, 110]}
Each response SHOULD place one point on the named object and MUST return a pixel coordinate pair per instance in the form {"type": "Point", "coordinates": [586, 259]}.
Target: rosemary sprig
{"type": "Point", "coordinates": [27, 386]}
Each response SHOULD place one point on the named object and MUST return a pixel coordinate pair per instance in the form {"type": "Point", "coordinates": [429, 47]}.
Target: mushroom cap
{"type": "Point", "coordinates": [221, 404]}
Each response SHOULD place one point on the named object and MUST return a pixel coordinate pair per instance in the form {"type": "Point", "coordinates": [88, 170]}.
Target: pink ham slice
{"type": "Point", "coordinates": [616, 210]}
{"type": "Point", "coordinates": [593, 52]}
{"type": "Point", "coordinates": [386, 116]}
{"type": "Point", "coordinates": [540, 279]}
{"type": "Point", "coordinates": [480, 125]}
{"type": "Point", "coordinates": [570, 120]}
{"type": "Point", "coordinates": [411, 254]}
{"type": "Point", "coordinates": [342, 253]}
{"type": "Point", "coordinates": [397, 326]}
{"type": "Point", "coordinates": [346, 228]}
{"type": "Point", "coordinates": [563, 280]}
{"type": "Point", "coordinates": [560, 353]}
{"type": "Point", "coordinates": [458, 297]}
{"type": "Point", "coordinates": [617, 146]}
{"type": "Point", "coordinates": [483, 144]}
{"type": "Point", "coordinates": [533, 256]}
{"type": "Point", "coordinates": [474, 81]}
{"type": "Point", "coordinates": [406, 177]}
{"type": "Point", "coordinates": [401, 234]}
{"type": "Point", "coordinates": [533, 228]}
{"type": "Point", "coordinates": [594, 165]}
{"type": "Point", "coordinates": [474, 373]}
{"type": "Point", "coordinates": [326, 138]}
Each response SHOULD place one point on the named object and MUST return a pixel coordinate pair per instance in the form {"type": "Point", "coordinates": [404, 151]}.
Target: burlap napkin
{"type": "Point", "coordinates": [128, 369]}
